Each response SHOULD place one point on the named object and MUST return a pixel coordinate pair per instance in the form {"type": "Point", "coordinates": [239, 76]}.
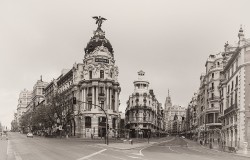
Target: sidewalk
{"type": "Point", "coordinates": [238, 153]}
{"type": "Point", "coordinates": [137, 143]}
{"type": "Point", "coordinates": [243, 154]}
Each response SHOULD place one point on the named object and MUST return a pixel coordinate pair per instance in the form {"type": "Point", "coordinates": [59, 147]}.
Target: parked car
{"type": "Point", "coordinates": [29, 135]}
{"type": "Point", "coordinates": [183, 137]}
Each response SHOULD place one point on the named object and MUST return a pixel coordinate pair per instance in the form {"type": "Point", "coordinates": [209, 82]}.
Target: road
{"type": "Point", "coordinates": [19, 147]}
{"type": "Point", "coordinates": [180, 148]}
{"type": "Point", "coordinates": [3, 149]}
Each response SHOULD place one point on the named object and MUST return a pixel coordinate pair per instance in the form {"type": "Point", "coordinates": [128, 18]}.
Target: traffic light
{"type": "Point", "coordinates": [108, 126]}
{"type": "Point", "coordinates": [74, 100]}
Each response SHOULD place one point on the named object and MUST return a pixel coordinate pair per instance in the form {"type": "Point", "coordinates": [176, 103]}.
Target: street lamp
{"type": "Point", "coordinates": [81, 102]}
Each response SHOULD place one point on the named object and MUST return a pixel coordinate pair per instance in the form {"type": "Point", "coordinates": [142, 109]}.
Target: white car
{"type": "Point", "coordinates": [30, 135]}
{"type": "Point", "coordinates": [183, 137]}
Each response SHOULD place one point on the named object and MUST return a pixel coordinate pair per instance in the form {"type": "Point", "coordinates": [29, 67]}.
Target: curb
{"type": "Point", "coordinates": [142, 146]}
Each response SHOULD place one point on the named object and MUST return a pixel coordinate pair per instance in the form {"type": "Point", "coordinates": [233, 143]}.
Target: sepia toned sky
{"type": "Point", "coordinates": [168, 39]}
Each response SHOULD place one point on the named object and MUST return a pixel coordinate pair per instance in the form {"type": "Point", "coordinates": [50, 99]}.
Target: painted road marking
{"type": "Point", "coordinates": [17, 156]}
{"type": "Point", "coordinates": [133, 157]}
{"type": "Point", "coordinates": [170, 149]}
{"type": "Point", "coordinates": [91, 155]}
{"type": "Point", "coordinates": [10, 153]}
{"type": "Point", "coordinates": [113, 156]}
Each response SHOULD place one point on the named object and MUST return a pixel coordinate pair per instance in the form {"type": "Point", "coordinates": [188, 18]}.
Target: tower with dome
{"type": "Point", "coordinates": [98, 86]}
{"type": "Point", "coordinates": [144, 114]}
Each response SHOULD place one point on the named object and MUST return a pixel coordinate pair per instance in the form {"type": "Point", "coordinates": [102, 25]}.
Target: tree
{"type": "Point", "coordinates": [57, 111]}
{"type": "Point", "coordinates": [14, 126]}
{"type": "Point", "coordinates": [60, 110]}
{"type": "Point", "coordinates": [25, 122]}
{"type": "Point", "coordinates": [0, 127]}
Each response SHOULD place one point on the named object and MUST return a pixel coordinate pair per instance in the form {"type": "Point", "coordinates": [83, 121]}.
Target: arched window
{"type": "Point", "coordinates": [101, 74]}
{"type": "Point", "coordinates": [90, 74]}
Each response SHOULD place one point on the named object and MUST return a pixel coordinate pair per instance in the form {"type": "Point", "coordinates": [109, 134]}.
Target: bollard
{"type": "Point", "coordinates": [131, 141]}
{"type": "Point", "coordinates": [245, 144]}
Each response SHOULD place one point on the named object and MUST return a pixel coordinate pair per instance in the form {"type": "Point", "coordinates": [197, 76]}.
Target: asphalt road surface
{"type": "Point", "coordinates": [3, 149]}
{"type": "Point", "coordinates": [19, 147]}
{"type": "Point", "coordinates": [181, 149]}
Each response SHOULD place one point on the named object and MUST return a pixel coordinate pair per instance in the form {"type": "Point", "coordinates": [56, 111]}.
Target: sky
{"type": "Point", "coordinates": [168, 39]}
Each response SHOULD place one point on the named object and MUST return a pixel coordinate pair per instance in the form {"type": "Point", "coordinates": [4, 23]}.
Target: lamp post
{"type": "Point", "coordinates": [81, 102]}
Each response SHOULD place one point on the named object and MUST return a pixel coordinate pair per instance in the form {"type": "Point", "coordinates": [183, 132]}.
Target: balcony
{"type": "Point", "coordinates": [214, 98]}
{"type": "Point", "coordinates": [212, 109]}
{"type": "Point", "coordinates": [101, 97]}
{"type": "Point", "coordinates": [230, 109]}
{"type": "Point", "coordinates": [101, 94]}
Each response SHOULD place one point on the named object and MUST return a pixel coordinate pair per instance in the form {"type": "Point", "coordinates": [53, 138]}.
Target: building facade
{"type": "Point", "coordinates": [176, 116]}
{"type": "Point", "coordinates": [235, 93]}
{"type": "Point", "coordinates": [144, 114]}
{"type": "Point", "coordinates": [191, 128]}
{"type": "Point", "coordinates": [167, 105]}
{"type": "Point", "coordinates": [24, 99]}
{"type": "Point", "coordinates": [95, 87]}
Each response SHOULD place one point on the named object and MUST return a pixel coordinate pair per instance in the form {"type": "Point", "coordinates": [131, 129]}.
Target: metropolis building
{"type": "Point", "coordinates": [94, 85]}
{"type": "Point", "coordinates": [99, 86]}
{"type": "Point", "coordinates": [144, 114]}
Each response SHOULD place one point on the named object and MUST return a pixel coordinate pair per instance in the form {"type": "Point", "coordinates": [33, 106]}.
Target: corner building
{"type": "Point", "coordinates": [235, 95]}
{"type": "Point", "coordinates": [144, 114]}
{"type": "Point", "coordinates": [96, 83]}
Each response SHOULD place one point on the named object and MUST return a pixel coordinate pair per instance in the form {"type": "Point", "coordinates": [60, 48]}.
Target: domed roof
{"type": "Point", "coordinates": [98, 39]}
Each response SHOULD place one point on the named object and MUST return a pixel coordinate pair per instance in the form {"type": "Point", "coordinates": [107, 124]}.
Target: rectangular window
{"type": "Point", "coordinates": [236, 81]}
{"type": "Point", "coordinates": [101, 74]}
{"type": "Point", "coordinates": [232, 87]}
{"type": "Point", "coordinates": [212, 75]}
{"type": "Point", "coordinates": [236, 63]}
{"type": "Point", "coordinates": [233, 69]}
{"type": "Point", "coordinates": [89, 105]}
{"type": "Point", "coordinates": [90, 74]}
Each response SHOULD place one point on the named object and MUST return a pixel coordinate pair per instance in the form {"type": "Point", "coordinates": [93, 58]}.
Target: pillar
{"type": "Point", "coordinates": [214, 117]}
{"type": "Point", "coordinates": [116, 101]}
{"type": "Point", "coordinates": [93, 97]}
{"type": "Point", "coordinates": [107, 99]}
{"type": "Point", "coordinates": [96, 96]}
{"type": "Point", "coordinates": [84, 98]}
{"type": "Point", "coordinates": [110, 98]}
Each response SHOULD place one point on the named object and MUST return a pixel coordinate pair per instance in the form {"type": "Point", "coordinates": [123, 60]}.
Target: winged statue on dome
{"type": "Point", "coordinates": [99, 21]}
